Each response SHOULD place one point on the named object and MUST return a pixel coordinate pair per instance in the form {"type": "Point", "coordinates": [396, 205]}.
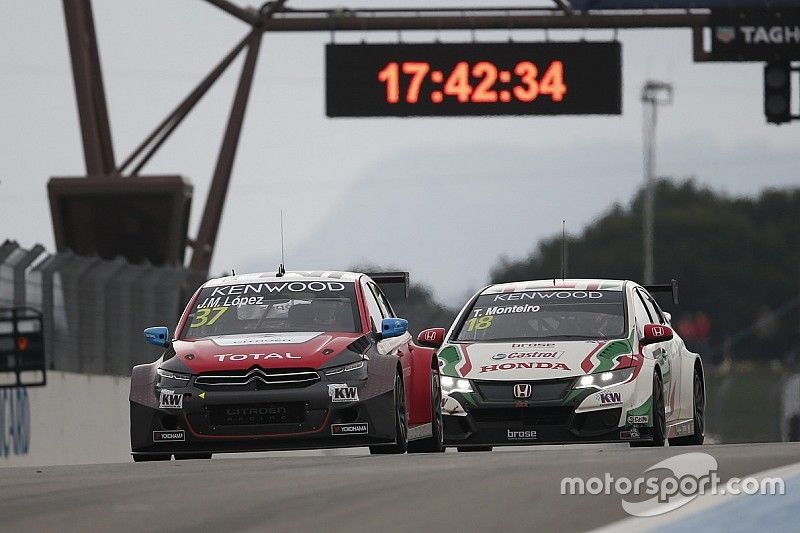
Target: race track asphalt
{"type": "Point", "coordinates": [513, 489]}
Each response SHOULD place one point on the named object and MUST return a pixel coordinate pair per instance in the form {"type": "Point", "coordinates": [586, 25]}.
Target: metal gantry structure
{"type": "Point", "coordinates": [277, 16]}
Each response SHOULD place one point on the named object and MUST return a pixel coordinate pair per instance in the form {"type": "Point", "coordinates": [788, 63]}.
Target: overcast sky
{"type": "Point", "coordinates": [318, 169]}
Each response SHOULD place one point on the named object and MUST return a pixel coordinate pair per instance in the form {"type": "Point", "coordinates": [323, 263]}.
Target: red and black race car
{"type": "Point", "coordinates": [291, 361]}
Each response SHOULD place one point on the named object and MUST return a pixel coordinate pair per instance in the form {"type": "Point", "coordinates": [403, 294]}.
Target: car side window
{"type": "Point", "coordinates": [652, 305]}
{"type": "Point", "coordinates": [384, 304]}
{"type": "Point", "coordinates": [641, 313]}
{"type": "Point", "coordinates": [373, 308]}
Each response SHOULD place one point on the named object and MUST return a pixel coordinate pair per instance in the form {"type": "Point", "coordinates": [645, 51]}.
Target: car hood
{"type": "Point", "coordinates": [266, 350]}
{"type": "Point", "coordinates": [533, 360]}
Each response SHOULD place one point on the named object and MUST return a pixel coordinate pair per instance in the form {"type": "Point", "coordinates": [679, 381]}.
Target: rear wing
{"type": "Point", "coordinates": [393, 284]}
{"type": "Point", "coordinates": [22, 361]}
{"type": "Point", "coordinates": [671, 287]}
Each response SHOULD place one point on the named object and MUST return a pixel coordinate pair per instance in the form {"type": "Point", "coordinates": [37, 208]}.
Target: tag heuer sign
{"type": "Point", "coordinates": [755, 35]}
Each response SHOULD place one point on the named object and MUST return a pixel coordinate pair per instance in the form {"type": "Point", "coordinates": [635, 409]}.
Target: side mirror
{"type": "Point", "coordinates": [393, 327]}
{"type": "Point", "coordinates": [432, 337]}
{"type": "Point", "coordinates": [157, 336]}
{"type": "Point", "coordinates": [654, 333]}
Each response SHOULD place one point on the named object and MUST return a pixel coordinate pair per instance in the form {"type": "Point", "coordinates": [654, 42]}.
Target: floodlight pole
{"type": "Point", "coordinates": [654, 93]}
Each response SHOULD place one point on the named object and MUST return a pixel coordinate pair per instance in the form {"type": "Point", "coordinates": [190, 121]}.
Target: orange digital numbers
{"type": "Point", "coordinates": [477, 83]}
{"type": "Point", "coordinates": [487, 74]}
{"type": "Point", "coordinates": [390, 75]}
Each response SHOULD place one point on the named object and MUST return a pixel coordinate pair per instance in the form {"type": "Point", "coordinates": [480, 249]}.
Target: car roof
{"type": "Point", "coordinates": [551, 284]}
{"type": "Point", "coordinates": [260, 277]}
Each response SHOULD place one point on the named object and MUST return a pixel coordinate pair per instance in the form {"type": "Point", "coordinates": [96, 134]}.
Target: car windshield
{"type": "Point", "coordinates": [274, 307]}
{"type": "Point", "coordinates": [544, 314]}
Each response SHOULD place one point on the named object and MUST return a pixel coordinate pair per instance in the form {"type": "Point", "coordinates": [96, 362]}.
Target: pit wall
{"type": "Point", "coordinates": [74, 419]}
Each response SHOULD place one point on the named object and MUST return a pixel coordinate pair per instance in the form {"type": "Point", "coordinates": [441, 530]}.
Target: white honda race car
{"type": "Point", "coordinates": [567, 361]}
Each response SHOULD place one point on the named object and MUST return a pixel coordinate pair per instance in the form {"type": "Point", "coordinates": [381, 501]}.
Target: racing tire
{"type": "Point", "coordinates": [400, 421]}
{"type": "Point", "coordinates": [434, 443]}
{"type": "Point", "coordinates": [659, 417]}
{"type": "Point", "coordinates": [138, 458]}
{"type": "Point", "coordinates": [185, 456]}
{"type": "Point", "coordinates": [699, 403]}
{"type": "Point", "coordinates": [474, 448]}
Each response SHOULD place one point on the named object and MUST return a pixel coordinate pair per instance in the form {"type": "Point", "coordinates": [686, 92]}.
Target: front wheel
{"type": "Point", "coordinates": [434, 443]}
{"type": "Point", "coordinates": [699, 402]}
{"type": "Point", "coordinates": [659, 416]}
{"type": "Point", "coordinates": [401, 423]}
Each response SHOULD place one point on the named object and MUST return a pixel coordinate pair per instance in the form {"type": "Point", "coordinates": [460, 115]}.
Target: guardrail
{"type": "Point", "coordinates": [93, 310]}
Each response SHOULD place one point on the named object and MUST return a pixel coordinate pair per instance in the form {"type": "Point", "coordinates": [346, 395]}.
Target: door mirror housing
{"type": "Point", "coordinates": [393, 327]}
{"type": "Point", "coordinates": [157, 336]}
{"type": "Point", "coordinates": [654, 333]}
{"type": "Point", "coordinates": [431, 337]}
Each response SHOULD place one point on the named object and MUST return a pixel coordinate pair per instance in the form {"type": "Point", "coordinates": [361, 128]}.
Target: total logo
{"type": "Point", "coordinates": [532, 365]}
{"type": "Point", "coordinates": [254, 356]}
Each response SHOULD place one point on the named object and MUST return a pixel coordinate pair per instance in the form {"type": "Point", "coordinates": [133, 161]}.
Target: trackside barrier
{"type": "Point", "coordinates": [93, 310]}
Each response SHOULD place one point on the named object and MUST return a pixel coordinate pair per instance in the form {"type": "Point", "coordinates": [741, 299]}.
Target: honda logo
{"type": "Point", "coordinates": [522, 390]}
{"type": "Point", "coordinates": [658, 331]}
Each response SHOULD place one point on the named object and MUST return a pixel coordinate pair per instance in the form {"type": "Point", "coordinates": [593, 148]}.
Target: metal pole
{"type": "Point", "coordinates": [654, 93]}
{"type": "Point", "coordinates": [363, 20]}
{"type": "Point", "coordinates": [98, 151]}
{"type": "Point", "coordinates": [650, 116]}
{"type": "Point", "coordinates": [212, 214]}
{"type": "Point", "coordinates": [162, 132]}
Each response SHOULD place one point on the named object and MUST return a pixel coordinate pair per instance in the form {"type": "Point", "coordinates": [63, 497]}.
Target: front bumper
{"type": "Point", "coordinates": [263, 420]}
{"type": "Point", "coordinates": [554, 414]}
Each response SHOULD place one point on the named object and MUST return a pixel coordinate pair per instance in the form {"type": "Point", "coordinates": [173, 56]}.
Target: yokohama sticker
{"type": "Point", "coordinates": [350, 429]}
{"type": "Point", "coordinates": [339, 392]}
{"type": "Point", "coordinates": [170, 400]}
{"type": "Point", "coordinates": [177, 435]}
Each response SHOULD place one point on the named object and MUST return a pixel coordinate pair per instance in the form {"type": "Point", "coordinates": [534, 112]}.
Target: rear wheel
{"type": "Point", "coordinates": [474, 448]}
{"type": "Point", "coordinates": [699, 402]}
{"type": "Point", "coordinates": [659, 416]}
{"type": "Point", "coordinates": [182, 456]}
{"type": "Point", "coordinates": [434, 443]}
{"type": "Point", "coordinates": [400, 423]}
{"type": "Point", "coordinates": [139, 458]}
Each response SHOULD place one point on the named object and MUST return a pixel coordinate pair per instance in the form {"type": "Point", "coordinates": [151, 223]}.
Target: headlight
{"type": "Point", "coordinates": [346, 368]}
{"type": "Point", "coordinates": [604, 380]}
{"type": "Point", "coordinates": [450, 384]}
{"type": "Point", "coordinates": [172, 379]}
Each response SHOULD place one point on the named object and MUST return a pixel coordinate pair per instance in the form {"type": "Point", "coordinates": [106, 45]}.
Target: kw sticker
{"type": "Point", "coordinates": [339, 392]}
{"type": "Point", "coordinates": [609, 398]}
{"type": "Point", "coordinates": [170, 400]}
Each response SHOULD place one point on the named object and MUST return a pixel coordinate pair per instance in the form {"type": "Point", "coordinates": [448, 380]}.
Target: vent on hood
{"type": "Point", "coordinates": [360, 345]}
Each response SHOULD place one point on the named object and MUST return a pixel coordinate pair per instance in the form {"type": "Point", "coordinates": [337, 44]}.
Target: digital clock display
{"type": "Point", "coordinates": [548, 78]}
